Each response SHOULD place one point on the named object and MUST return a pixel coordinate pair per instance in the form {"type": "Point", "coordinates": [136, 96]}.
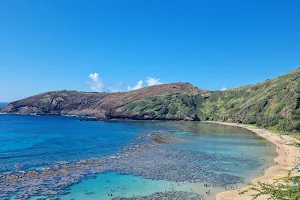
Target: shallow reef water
{"type": "Point", "coordinates": [54, 157]}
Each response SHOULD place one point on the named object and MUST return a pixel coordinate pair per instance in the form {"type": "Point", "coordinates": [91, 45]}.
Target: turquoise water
{"type": "Point", "coordinates": [125, 185]}
{"type": "Point", "coordinates": [129, 186]}
{"type": "Point", "coordinates": [29, 142]}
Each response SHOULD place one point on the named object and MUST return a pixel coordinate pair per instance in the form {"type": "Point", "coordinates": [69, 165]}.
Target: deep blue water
{"type": "Point", "coordinates": [42, 140]}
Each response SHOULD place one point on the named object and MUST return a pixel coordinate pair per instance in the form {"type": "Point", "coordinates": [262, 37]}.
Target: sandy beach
{"type": "Point", "coordinates": [285, 161]}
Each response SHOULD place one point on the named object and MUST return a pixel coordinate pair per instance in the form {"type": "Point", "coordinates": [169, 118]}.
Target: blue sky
{"type": "Point", "coordinates": [53, 45]}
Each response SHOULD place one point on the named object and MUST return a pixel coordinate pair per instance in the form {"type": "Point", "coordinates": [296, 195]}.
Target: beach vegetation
{"type": "Point", "coordinates": [288, 189]}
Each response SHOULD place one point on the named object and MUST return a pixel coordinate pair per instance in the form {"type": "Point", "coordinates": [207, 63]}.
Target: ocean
{"type": "Point", "coordinates": [39, 142]}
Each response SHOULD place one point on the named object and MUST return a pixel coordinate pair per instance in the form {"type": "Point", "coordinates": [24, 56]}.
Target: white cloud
{"type": "Point", "coordinates": [113, 90]}
{"type": "Point", "coordinates": [153, 81]}
{"type": "Point", "coordinates": [96, 84]}
{"type": "Point", "coordinates": [139, 85]}
{"type": "Point", "coordinates": [116, 87]}
{"type": "Point", "coordinates": [223, 88]}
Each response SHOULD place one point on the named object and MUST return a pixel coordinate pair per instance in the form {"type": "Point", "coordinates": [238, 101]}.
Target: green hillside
{"type": "Point", "coordinates": [272, 104]}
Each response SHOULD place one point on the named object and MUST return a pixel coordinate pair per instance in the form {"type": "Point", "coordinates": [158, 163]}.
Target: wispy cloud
{"type": "Point", "coordinates": [153, 81]}
{"type": "Point", "coordinates": [116, 87]}
{"type": "Point", "coordinates": [223, 88]}
{"type": "Point", "coordinates": [113, 90]}
{"type": "Point", "coordinates": [96, 83]}
{"type": "Point", "coordinates": [139, 85]}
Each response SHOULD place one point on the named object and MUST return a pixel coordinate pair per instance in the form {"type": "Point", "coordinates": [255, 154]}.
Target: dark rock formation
{"type": "Point", "coordinates": [163, 139]}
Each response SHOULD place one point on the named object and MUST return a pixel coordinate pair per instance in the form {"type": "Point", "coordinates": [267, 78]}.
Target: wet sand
{"type": "Point", "coordinates": [284, 162]}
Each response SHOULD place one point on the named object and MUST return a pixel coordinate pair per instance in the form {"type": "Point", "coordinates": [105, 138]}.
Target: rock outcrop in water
{"type": "Point", "coordinates": [274, 103]}
{"type": "Point", "coordinates": [158, 138]}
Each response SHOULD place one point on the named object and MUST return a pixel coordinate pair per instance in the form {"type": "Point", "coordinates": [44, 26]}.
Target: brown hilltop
{"type": "Point", "coordinates": [99, 105]}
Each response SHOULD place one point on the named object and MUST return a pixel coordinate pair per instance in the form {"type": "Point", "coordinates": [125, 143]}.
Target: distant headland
{"type": "Point", "coordinates": [274, 103]}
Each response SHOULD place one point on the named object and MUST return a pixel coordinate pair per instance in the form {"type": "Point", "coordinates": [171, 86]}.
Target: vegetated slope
{"type": "Point", "coordinates": [100, 105]}
{"type": "Point", "coordinates": [274, 103]}
{"type": "Point", "coordinates": [174, 106]}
